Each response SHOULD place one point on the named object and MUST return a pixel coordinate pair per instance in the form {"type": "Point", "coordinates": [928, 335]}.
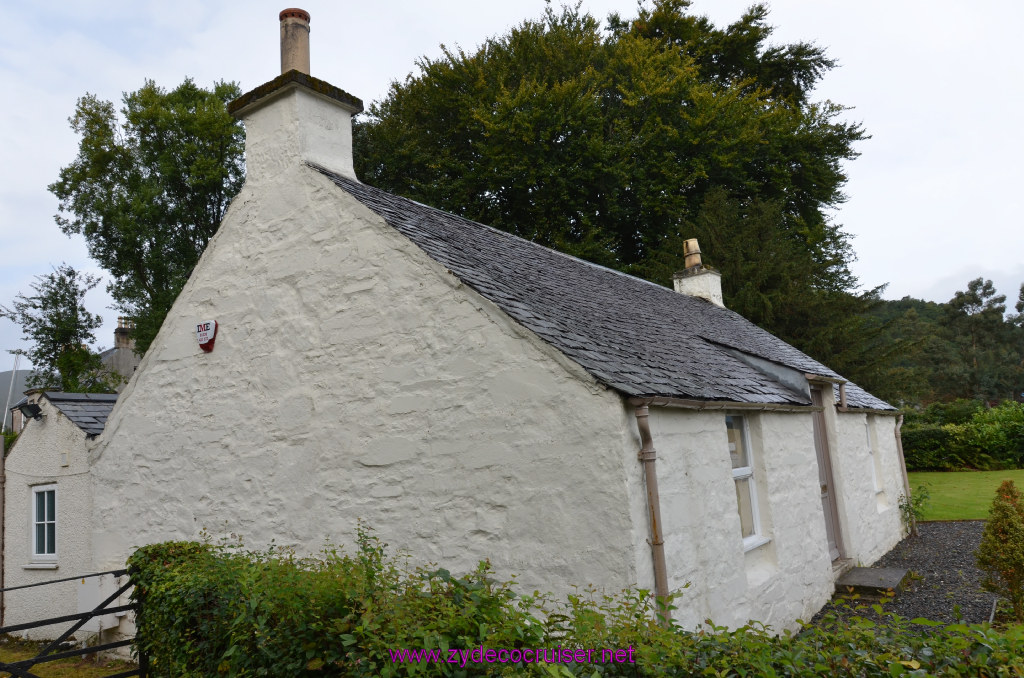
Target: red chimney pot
{"type": "Point", "coordinates": [294, 12]}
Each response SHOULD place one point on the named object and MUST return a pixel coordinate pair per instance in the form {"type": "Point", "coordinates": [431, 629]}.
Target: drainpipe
{"type": "Point", "coordinates": [647, 457]}
{"type": "Point", "coordinates": [903, 467]}
{"type": "Point", "coordinates": [3, 516]}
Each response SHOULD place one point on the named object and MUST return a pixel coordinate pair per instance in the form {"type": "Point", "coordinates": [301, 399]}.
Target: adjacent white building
{"type": "Point", "coordinates": [472, 395]}
{"type": "Point", "coordinates": [47, 506]}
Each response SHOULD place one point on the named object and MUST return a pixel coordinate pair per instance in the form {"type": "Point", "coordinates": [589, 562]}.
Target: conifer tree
{"type": "Point", "coordinates": [1001, 552]}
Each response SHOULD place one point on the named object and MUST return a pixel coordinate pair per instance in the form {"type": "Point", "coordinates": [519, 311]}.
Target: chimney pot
{"type": "Point", "coordinates": [691, 253]}
{"type": "Point", "coordinates": [695, 280]}
{"type": "Point", "coordinates": [294, 40]}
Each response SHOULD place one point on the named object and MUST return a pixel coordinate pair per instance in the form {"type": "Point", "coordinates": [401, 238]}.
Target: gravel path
{"type": "Point", "coordinates": [941, 560]}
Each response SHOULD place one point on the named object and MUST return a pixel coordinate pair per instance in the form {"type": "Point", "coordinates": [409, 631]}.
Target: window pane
{"type": "Point", "coordinates": [737, 442]}
{"type": "Point", "coordinates": [40, 508]}
{"type": "Point", "coordinates": [40, 541]}
{"type": "Point", "coordinates": [51, 538]}
{"type": "Point", "coordinates": [745, 507]}
{"type": "Point", "coordinates": [51, 504]}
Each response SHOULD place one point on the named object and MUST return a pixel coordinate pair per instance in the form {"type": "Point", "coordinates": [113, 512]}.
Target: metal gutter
{"type": "Point", "coordinates": [667, 401]}
{"type": "Point", "coordinates": [869, 410]}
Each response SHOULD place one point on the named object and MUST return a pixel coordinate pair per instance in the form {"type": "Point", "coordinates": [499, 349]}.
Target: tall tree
{"type": "Point", "coordinates": [616, 146]}
{"type": "Point", "coordinates": [58, 326]}
{"type": "Point", "coordinates": [148, 191]}
{"type": "Point", "coordinates": [983, 340]}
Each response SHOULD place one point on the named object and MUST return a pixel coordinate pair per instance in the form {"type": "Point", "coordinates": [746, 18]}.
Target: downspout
{"type": "Point", "coordinates": [3, 517]}
{"type": "Point", "coordinates": [647, 456]}
{"type": "Point", "coordinates": [903, 468]}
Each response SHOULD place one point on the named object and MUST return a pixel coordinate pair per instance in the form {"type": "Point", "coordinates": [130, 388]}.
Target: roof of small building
{"type": "Point", "coordinates": [88, 411]}
{"type": "Point", "coordinates": [635, 336]}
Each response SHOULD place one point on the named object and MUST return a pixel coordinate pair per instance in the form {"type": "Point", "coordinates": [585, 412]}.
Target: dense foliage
{"type": "Point", "coordinates": [1001, 552]}
{"type": "Point", "coordinates": [965, 434]}
{"type": "Point", "coordinates": [211, 611]}
{"type": "Point", "coordinates": [149, 191]}
{"type": "Point", "coordinates": [617, 145]}
{"type": "Point", "coordinates": [59, 329]}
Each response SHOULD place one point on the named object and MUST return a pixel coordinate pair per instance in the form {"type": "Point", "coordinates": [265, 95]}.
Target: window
{"type": "Point", "coordinates": [44, 523]}
{"type": "Point", "coordinates": [743, 477]}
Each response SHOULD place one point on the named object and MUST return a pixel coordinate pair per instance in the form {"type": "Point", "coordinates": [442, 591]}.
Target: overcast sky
{"type": "Point", "coordinates": [934, 198]}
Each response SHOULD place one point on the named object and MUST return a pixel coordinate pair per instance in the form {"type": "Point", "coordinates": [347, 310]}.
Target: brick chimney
{"type": "Point", "coordinates": [697, 280]}
{"type": "Point", "coordinates": [296, 118]}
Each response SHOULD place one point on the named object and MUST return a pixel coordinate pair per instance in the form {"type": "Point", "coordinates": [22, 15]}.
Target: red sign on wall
{"type": "Point", "coordinates": [206, 332]}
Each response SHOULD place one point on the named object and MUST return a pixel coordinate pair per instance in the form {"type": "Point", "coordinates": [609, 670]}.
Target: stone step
{"type": "Point", "coordinates": [871, 581]}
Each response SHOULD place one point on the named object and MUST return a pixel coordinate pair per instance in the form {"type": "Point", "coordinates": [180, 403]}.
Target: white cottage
{"type": "Point", "coordinates": [472, 395]}
{"type": "Point", "coordinates": [47, 506]}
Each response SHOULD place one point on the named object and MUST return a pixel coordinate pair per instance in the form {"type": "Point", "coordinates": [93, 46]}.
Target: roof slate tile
{"type": "Point", "coordinates": [88, 411]}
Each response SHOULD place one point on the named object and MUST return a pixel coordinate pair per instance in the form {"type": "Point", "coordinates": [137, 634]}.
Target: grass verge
{"type": "Point", "coordinates": [14, 649]}
{"type": "Point", "coordinates": [961, 495]}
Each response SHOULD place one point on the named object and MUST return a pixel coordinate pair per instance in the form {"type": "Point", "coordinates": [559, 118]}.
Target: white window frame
{"type": "Point", "coordinates": [758, 537]}
{"type": "Point", "coordinates": [38, 556]}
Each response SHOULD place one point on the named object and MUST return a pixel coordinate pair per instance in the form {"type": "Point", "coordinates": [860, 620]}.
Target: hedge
{"type": "Point", "coordinates": [216, 611]}
{"type": "Point", "coordinates": [929, 448]}
{"type": "Point", "coordinates": [991, 438]}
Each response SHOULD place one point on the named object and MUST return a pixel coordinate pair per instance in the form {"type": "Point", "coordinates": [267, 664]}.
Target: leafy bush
{"type": "Point", "coordinates": [989, 439]}
{"type": "Point", "coordinates": [959, 411]}
{"type": "Point", "coordinates": [929, 448]}
{"type": "Point", "coordinates": [1001, 552]}
{"type": "Point", "coordinates": [997, 433]}
{"type": "Point", "coordinates": [216, 611]}
{"type": "Point", "coordinates": [211, 610]}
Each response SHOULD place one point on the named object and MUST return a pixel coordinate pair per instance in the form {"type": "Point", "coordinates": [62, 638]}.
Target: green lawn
{"type": "Point", "coordinates": [965, 495]}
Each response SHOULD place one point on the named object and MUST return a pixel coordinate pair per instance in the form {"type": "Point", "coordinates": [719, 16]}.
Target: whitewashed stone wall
{"type": "Point", "coordinates": [38, 458]}
{"type": "Point", "coordinates": [355, 378]}
{"type": "Point", "coordinates": [776, 583]}
{"type": "Point", "coordinates": [869, 481]}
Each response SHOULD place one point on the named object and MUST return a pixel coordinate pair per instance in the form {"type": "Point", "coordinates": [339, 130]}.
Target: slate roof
{"type": "Point", "coordinates": [88, 411]}
{"type": "Point", "coordinates": [637, 337]}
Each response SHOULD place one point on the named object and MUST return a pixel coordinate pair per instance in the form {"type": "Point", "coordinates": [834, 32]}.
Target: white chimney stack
{"type": "Point", "coordinates": [295, 118]}
{"type": "Point", "coordinates": [696, 280]}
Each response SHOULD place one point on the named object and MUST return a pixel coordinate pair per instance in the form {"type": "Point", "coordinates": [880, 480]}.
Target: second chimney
{"type": "Point", "coordinates": [696, 280]}
{"type": "Point", "coordinates": [294, 40]}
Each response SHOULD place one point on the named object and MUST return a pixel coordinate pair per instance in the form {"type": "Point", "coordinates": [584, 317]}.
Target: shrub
{"type": "Point", "coordinates": [997, 433]}
{"type": "Point", "coordinates": [217, 611]}
{"type": "Point", "coordinates": [959, 411]}
{"type": "Point", "coordinates": [929, 448]}
{"type": "Point", "coordinates": [1001, 552]}
{"type": "Point", "coordinates": [989, 439]}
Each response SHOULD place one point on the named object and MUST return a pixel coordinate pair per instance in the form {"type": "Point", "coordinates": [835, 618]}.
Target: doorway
{"type": "Point", "coordinates": [825, 478]}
